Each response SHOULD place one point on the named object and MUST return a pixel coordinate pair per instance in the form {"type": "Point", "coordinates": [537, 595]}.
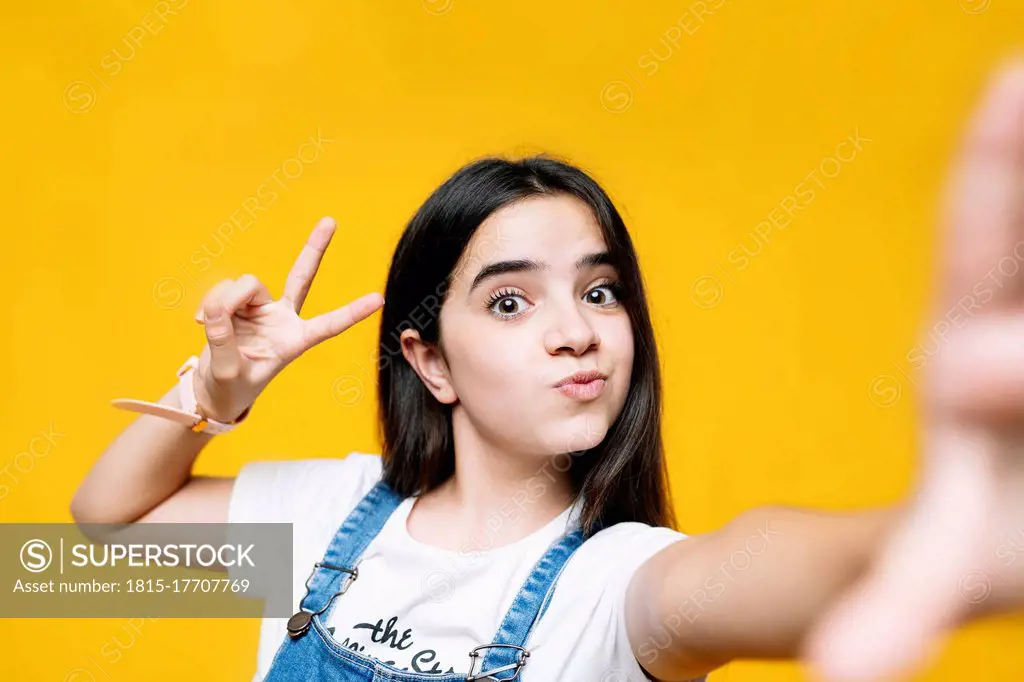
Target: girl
{"type": "Point", "coordinates": [517, 524]}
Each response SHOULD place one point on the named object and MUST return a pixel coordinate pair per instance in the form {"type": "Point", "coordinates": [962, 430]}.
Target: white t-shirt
{"type": "Point", "coordinates": [417, 606]}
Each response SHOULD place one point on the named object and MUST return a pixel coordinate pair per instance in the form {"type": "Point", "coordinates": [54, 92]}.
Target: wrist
{"type": "Point", "coordinates": [236, 420]}
{"type": "Point", "coordinates": [188, 384]}
{"type": "Point", "coordinates": [181, 405]}
{"type": "Point", "coordinates": [200, 397]}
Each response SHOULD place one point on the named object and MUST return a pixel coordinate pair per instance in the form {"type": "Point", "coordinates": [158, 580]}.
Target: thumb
{"type": "Point", "coordinates": [225, 358]}
{"type": "Point", "coordinates": [894, 619]}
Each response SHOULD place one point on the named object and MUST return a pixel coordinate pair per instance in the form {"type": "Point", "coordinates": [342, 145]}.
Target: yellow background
{"type": "Point", "coordinates": [784, 378]}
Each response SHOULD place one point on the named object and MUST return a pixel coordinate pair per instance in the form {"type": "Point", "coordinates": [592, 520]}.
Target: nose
{"type": "Point", "coordinates": [570, 330]}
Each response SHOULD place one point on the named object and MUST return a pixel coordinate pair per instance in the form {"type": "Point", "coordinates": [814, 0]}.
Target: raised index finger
{"type": "Point", "coordinates": [984, 240]}
{"type": "Point", "coordinates": [329, 325]}
{"type": "Point", "coordinates": [300, 278]}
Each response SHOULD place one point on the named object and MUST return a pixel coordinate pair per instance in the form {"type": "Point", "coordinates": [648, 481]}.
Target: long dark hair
{"type": "Point", "coordinates": [621, 479]}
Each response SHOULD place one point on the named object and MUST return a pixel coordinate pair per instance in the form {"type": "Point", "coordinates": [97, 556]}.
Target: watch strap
{"type": "Point", "coordinates": [189, 414]}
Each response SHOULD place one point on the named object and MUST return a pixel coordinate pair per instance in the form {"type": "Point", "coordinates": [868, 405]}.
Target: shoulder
{"type": "Point", "coordinates": [283, 491]}
{"type": "Point", "coordinates": [607, 560]}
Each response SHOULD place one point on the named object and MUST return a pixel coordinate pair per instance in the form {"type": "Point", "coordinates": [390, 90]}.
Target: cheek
{"type": "Point", "coordinates": [617, 339]}
{"type": "Point", "coordinates": [493, 369]}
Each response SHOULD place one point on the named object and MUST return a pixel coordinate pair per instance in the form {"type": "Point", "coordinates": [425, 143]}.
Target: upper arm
{"type": "Point", "coordinates": [311, 493]}
{"type": "Point", "coordinates": [750, 589]}
{"type": "Point", "coordinates": [204, 499]}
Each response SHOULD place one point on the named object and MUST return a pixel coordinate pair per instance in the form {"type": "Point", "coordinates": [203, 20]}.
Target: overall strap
{"type": "Point", "coordinates": [350, 541]}
{"type": "Point", "coordinates": [506, 655]}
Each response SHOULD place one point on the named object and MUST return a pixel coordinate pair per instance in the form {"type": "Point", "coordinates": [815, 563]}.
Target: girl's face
{"type": "Point", "coordinates": [532, 301]}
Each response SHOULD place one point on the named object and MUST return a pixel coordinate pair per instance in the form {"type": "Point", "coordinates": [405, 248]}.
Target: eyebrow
{"type": "Point", "coordinates": [526, 265]}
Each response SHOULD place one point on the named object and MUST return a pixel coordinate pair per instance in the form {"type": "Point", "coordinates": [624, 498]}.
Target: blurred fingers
{"type": "Point", "coordinates": [984, 219]}
{"type": "Point", "coordinates": [894, 620]}
{"type": "Point", "coordinates": [979, 374]}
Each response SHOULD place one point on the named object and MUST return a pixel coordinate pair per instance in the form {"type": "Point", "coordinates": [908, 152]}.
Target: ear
{"type": "Point", "coordinates": [427, 361]}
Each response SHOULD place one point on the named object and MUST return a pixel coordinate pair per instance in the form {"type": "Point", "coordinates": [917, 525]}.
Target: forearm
{"type": "Point", "coordinates": [755, 588]}
{"type": "Point", "coordinates": [148, 462]}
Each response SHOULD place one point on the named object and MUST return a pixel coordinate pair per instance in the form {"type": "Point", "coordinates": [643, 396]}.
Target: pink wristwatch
{"type": "Point", "coordinates": [190, 415]}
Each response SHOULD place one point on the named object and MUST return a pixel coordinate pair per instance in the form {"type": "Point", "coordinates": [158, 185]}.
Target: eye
{"type": "Point", "coordinates": [506, 302]}
{"type": "Point", "coordinates": [599, 295]}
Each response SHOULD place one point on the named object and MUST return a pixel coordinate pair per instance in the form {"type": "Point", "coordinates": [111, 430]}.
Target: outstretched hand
{"type": "Point", "coordinates": [951, 558]}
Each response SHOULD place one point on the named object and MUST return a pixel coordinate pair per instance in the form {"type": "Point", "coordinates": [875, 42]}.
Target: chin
{"type": "Point", "coordinates": [578, 433]}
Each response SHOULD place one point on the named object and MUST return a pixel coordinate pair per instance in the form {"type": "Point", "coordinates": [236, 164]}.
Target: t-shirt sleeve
{"type": "Point", "coordinates": [631, 553]}
{"type": "Point", "coordinates": [291, 491]}
{"type": "Point", "coordinates": [593, 602]}
{"type": "Point", "coordinates": [641, 547]}
{"type": "Point", "coordinates": [314, 495]}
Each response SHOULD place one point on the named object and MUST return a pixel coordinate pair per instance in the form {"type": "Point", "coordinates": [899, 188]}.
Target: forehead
{"type": "Point", "coordinates": [554, 229]}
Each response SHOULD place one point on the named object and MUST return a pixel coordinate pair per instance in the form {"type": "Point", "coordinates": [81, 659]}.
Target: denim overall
{"type": "Point", "coordinates": [309, 653]}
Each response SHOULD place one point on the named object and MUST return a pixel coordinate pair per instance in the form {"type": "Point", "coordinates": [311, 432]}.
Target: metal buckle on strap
{"type": "Point", "coordinates": [517, 666]}
{"type": "Point", "coordinates": [353, 573]}
{"type": "Point", "coordinates": [300, 621]}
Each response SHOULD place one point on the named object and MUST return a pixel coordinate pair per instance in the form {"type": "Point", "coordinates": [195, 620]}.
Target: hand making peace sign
{"type": "Point", "coordinates": [251, 337]}
{"type": "Point", "coordinates": [948, 560]}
